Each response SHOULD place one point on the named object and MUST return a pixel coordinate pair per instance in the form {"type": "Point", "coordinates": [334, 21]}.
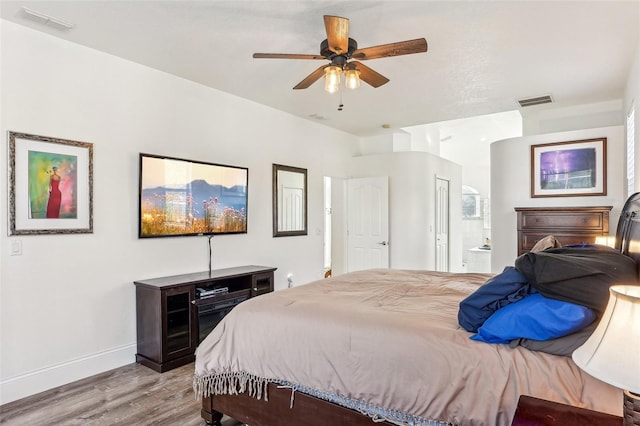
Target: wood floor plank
{"type": "Point", "coordinates": [130, 395]}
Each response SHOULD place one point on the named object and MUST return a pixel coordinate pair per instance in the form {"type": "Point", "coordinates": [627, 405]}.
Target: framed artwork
{"type": "Point", "coordinates": [569, 169]}
{"type": "Point", "coordinates": [50, 185]}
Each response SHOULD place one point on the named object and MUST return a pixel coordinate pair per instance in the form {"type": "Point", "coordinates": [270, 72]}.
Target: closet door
{"type": "Point", "coordinates": [442, 224]}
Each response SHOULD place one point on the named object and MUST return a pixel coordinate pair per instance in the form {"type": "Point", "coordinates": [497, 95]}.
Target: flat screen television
{"type": "Point", "coordinates": [184, 197]}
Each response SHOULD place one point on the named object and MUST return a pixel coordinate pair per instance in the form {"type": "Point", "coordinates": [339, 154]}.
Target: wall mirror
{"type": "Point", "coordinates": [289, 201]}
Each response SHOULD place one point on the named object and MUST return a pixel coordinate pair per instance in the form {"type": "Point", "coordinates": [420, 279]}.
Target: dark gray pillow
{"type": "Point", "coordinates": [577, 275]}
{"type": "Point", "coordinates": [563, 346]}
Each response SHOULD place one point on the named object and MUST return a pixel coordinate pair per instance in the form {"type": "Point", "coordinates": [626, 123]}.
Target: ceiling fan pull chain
{"type": "Point", "coordinates": [341, 104]}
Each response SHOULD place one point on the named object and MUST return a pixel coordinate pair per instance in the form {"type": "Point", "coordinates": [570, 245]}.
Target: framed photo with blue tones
{"type": "Point", "coordinates": [569, 169]}
{"type": "Point", "coordinates": [50, 185]}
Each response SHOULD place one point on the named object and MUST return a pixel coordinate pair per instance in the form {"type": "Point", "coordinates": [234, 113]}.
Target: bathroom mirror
{"type": "Point", "coordinates": [289, 201]}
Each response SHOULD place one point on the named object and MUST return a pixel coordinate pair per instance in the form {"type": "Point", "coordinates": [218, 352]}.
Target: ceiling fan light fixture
{"type": "Point", "coordinates": [352, 78]}
{"type": "Point", "coordinates": [332, 78]}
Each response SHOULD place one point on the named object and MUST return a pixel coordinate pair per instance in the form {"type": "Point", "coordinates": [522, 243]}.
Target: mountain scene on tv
{"type": "Point", "coordinates": [195, 208]}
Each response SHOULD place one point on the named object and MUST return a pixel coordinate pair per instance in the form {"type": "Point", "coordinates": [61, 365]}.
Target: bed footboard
{"type": "Point", "coordinates": [307, 410]}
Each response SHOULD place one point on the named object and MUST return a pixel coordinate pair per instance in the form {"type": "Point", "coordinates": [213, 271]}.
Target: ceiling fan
{"type": "Point", "coordinates": [340, 49]}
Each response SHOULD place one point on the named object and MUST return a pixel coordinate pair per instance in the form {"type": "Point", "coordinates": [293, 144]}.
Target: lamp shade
{"type": "Point", "coordinates": [612, 353]}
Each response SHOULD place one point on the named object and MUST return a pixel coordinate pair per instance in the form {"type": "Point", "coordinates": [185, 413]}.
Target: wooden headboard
{"type": "Point", "coordinates": [628, 231]}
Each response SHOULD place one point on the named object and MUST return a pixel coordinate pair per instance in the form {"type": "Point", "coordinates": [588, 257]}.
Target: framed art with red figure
{"type": "Point", "coordinates": [50, 185]}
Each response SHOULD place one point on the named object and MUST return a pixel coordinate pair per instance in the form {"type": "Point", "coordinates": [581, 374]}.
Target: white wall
{"type": "Point", "coordinates": [510, 181]}
{"type": "Point", "coordinates": [338, 227]}
{"type": "Point", "coordinates": [412, 205]}
{"type": "Point", "coordinates": [466, 141]}
{"type": "Point", "coordinates": [632, 96]}
{"type": "Point", "coordinates": [392, 141]}
{"type": "Point", "coordinates": [510, 186]}
{"type": "Point", "coordinates": [67, 305]}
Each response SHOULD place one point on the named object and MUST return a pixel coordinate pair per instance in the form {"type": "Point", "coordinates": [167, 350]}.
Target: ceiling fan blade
{"type": "Point", "coordinates": [369, 76]}
{"type": "Point", "coordinates": [337, 33]}
{"type": "Point", "coordinates": [418, 45]}
{"type": "Point", "coordinates": [311, 78]}
{"type": "Point", "coordinates": [286, 56]}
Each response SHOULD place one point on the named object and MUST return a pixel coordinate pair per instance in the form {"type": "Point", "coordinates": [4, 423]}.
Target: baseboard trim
{"type": "Point", "coordinates": [43, 379]}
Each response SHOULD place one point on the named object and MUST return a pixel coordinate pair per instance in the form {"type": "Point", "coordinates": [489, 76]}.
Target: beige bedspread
{"type": "Point", "coordinates": [389, 338]}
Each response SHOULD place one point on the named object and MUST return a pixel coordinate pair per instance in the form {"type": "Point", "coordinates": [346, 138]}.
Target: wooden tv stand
{"type": "Point", "coordinates": [170, 310]}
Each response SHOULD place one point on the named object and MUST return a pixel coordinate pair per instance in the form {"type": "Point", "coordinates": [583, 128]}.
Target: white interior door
{"type": "Point", "coordinates": [368, 223]}
{"type": "Point", "coordinates": [442, 225]}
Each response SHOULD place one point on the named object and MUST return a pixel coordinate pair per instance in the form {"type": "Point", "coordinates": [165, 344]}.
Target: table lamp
{"type": "Point", "coordinates": [612, 353]}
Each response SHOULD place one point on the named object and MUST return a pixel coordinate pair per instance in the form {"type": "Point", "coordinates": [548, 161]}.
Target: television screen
{"type": "Point", "coordinates": [183, 197]}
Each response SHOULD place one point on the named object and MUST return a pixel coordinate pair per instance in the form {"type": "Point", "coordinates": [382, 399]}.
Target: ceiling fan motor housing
{"type": "Point", "coordinates": [330, 54]}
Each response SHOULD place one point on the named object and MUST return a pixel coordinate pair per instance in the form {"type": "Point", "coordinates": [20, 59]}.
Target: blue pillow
{"type": "Point", "coordinates": [534, 317]}
{"type": "Point", "coordinates": [499, 291]}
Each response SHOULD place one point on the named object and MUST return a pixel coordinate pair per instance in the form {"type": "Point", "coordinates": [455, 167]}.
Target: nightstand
{"type": "Point", "coordinates": [539, 412]}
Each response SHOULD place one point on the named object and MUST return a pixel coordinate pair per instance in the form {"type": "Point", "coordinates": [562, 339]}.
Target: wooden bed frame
{"type": "Point", "coordinates": [311, 411]}
{"type": "Point", "coordinates": [307, 410]}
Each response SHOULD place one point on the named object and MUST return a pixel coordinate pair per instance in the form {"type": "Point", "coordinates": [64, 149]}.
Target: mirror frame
{"type": "Point", "coordinates": [276, 213]}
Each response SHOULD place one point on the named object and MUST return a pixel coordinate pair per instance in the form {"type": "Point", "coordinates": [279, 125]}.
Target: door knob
{"type": "Point", "coordinates": [384, 243]}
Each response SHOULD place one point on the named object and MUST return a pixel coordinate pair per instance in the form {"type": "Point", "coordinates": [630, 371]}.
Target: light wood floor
{"type": "Point", "coordinates": [130, 395]}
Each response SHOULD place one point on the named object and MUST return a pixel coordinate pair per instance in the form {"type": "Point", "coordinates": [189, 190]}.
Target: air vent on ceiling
{"type": "Point", "coordinates": [47, 20]}
{"type": "Point", "coordinates": [539, 100]}
{"type": "Point", "coordinates": [317, 116]}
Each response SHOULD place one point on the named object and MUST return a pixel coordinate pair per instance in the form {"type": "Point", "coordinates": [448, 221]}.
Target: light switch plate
{"type": "Point", "coordinates": [16, 248]}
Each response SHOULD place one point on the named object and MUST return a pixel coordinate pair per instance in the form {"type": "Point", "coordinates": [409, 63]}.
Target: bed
{"type": "Point", "coordinates": [385, 346]}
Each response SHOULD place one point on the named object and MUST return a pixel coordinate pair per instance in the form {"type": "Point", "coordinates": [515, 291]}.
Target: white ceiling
{"type": "Point", "coordinates": [483, 55]}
